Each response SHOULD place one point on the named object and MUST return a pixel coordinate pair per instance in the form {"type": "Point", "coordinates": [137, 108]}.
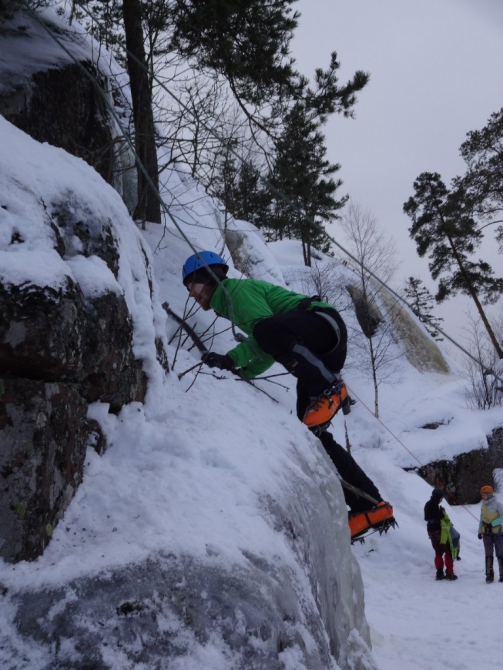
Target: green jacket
{"type": "Point", "coordinates": [251, 301]}
{"type": "Point", "coordinates": [445, 534]}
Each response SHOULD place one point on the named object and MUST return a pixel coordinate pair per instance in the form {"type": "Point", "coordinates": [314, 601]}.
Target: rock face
{"type": "Point", "coordinates": [70, 348]}
{"type": "Point", "coordinates": [63, 343]}
{"type": "Point", "coordinates": [58, 352]}
{"type": "Point", "coordinates": [466, 473]}
{"type": "Point", "coordinates": [51, 98]}
{"type": "Point", "coordinates": [61, 107]}
{"type": "Point", "coordinates": [57, 335]}
{"type": "Point", "coordinates": [44, 433]}
{"type": "Point", "coordinates": [368, 314]}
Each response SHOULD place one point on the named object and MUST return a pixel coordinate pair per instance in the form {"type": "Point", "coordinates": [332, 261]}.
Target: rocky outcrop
{"type": "Point", "coordinates": [44, 432]}
{"type": "Point", "coordinates": [41, 331]}
{"type": "Point", "coordinates": [61, 96]}
{"type": "Point", "coordinates": [56, 335]}
{"type": "Point", "coordinates": [62, 107]}
{"type": "Point", "coordinates": [67, 336]}
{"type": "Point", "coordinates": [368, 314]}
{"type": "Point", "coordinates": [60, 333]}
{"type": "Point", "coordinates": [59, 351]}
{"type": "Point", "coordinates": [61, 348]}
{"type": "Point", "coordinates": [466, 473]}
{"type": "Point", "coordinates": [64, 343]}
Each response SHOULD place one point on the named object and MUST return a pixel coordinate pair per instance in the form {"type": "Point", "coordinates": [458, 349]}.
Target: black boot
{"type": "Point", "coordinates": [440, 575]}
{"type": "Point", "coordinates": [452, 577]}
{"type": "Point", "coordinates": [500, 565]}
{"type": "Point", "coordinates": [351, 472]}
{"type": "Point", "coordinates": [489, 570]}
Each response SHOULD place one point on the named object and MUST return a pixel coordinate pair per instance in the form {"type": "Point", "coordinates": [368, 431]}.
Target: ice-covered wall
{"type": "Point", "coordinates": [300, 608]}
{"type": "Point", "coordinates": [419, 347]}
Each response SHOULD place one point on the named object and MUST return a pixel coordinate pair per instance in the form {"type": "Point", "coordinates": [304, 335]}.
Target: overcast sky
{"type": "Point", "coordinates": [436, 71]}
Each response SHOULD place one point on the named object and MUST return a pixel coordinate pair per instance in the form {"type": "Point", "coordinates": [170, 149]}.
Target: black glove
{"type": "Point", "coordinates": [479, 536]}
{"type": "Point", "coordinates": [220, 361]}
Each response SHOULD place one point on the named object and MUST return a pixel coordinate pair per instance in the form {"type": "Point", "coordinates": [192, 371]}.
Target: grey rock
{"type": "Point", "coordinates": [44, 432]}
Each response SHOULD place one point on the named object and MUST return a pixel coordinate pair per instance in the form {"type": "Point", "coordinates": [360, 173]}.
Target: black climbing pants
{"type": "Point", "coordinates": [307, 345]}
{"type": "Point", "coordinates": [352, 473]}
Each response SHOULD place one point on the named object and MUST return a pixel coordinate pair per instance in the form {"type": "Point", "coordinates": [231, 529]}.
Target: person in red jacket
{"type": "Point", "coordinates": [305, 335]}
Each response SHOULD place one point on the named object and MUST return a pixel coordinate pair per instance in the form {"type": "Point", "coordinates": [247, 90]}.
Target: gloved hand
{"type": "Point", "coordinates": [220, 361]}
{"type": "Point", "coordinates": [479, 536]}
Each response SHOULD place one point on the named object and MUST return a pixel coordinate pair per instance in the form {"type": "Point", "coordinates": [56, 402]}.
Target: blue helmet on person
{"type": "Point", "coordinates": [195, 271]}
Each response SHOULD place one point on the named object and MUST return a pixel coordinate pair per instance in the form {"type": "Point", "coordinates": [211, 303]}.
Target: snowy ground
{"type": "Point", "coordinates": [418, 623]}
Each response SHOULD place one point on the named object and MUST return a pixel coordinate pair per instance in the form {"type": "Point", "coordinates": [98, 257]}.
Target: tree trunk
{"type": "Point", "coordinates": [306, 251]}
{"type": "Point", "coordinates": [374, 378]}
{"type": "Point", "coordinates": [148, 207]}
{"type": "Point", "coordinates": [475, 298]}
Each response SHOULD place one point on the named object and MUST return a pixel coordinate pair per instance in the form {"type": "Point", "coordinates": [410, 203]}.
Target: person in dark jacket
{"type": "Point", "coordinates": [306, 335]}
{"type": "Point", "coordinates": [438, 526]}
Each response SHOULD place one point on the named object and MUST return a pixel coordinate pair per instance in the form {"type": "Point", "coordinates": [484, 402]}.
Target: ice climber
{"type": "Point", "coordinates": [438, 526]}
{"type": "Point", "coordinates": [491, 531]}
{"type": "Point", "coordinates": [306, 335]}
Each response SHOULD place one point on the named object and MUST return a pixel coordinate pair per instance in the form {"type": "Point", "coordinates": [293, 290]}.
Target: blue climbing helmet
{"type": "Point", "coordinates": [194, 270]}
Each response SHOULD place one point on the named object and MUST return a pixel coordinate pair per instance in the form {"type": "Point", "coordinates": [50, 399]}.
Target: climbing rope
{"type": "Point", "coordinates": [421, 465]}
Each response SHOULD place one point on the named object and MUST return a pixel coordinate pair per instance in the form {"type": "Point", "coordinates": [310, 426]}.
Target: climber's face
{"type": "Point", "coordinates": [202, 294]}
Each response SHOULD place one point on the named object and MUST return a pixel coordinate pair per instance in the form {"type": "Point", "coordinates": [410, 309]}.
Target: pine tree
{"type": "Point", "coordinates": [246, 44]}
{"type": "Point", "coordinates": [443, 227]}
{"type": "Point", "coordinates": [483, 181]}
{"type": "Point", "coordinates": [239, 188]}
{"type": "Point", "coordinates": [421, 301]}
{"type": "Point", "coordinates": [252, 197]}
{"type": "Point", "coordinates": [304, 175]}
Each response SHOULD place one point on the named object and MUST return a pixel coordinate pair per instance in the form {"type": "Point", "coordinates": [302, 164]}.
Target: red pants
{"type": "Point", "coordinates": [441, 550]}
